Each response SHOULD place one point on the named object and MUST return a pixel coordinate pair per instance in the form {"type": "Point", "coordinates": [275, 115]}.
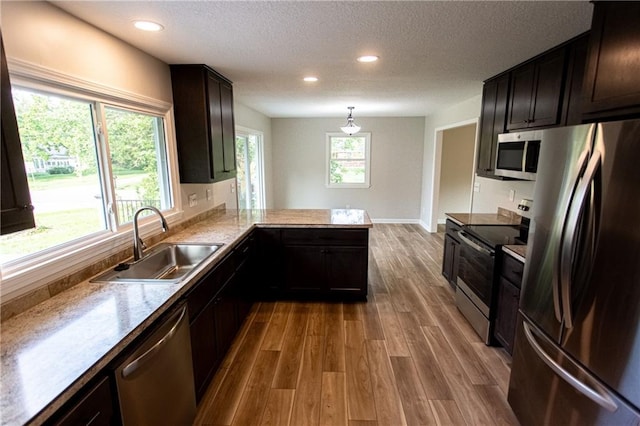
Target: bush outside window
{"type": "Point", "coordinates": [348, 160]}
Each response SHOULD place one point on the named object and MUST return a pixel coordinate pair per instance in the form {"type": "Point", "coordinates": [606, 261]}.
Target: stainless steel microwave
{"type": "Point", "coordinates": [517, 155]}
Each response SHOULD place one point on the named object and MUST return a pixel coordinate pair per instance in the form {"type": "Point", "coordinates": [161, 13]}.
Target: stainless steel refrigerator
{"type": "Point", "coordinates": [577, 349]}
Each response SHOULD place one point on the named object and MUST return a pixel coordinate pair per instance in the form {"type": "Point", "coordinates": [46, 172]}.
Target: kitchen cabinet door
{"type": "Point", "coordinates": [225, 318]}
{"type": "Point", "coordinates": [304, 268]}
{"type": "Point", "coordinates": [507, 314]}
{"type": "Point", "coordinates": [573, 93]}
{"type": "Point", "coordinates": [536, 92]}
{"type": "Point", "coordinates": [450, 259]}
{"type": "Point", "coordinates": [228, 130]}
{"type": "Point", "coordinates": [492, 123]}
{"type": "Point", "coordinates": [612, 76]}
{"type": "Point", "coordinates": [17, 211]}
{"type": "Point", "coordinates": [205, 131]}
{"type": "Point", "coordinates": [509, 282]}
{"type": "Point", "coordinates": [269, 263]}
{"type": "Point", "coordinates": [94, 406]}
{"type": "Point", "coordinates": [346, 269]}
{"type": "Point", "coordinates": [203, 349]}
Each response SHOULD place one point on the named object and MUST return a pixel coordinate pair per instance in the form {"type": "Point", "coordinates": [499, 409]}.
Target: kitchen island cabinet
{"type": "Point", "coordinates": [313, 263]}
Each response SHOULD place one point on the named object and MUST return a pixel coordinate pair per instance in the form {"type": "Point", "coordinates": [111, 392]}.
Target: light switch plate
{"type": "Point", "coordinates": [193, 200]}
{"type": "Point", "coordinates": [209, 194]}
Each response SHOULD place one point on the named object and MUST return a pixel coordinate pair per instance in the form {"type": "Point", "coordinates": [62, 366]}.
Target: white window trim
{"type": "Point", "coordinates": [367, 166]}
{"type": "Point", "coordinates": [245, 131]}
{"type": "Point", "coordinates": [26, 274]}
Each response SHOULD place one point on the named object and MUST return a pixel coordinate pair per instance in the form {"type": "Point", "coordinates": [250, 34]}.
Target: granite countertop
{"type": "Point", "coordinates": [485, 218]}
{"type": "Point", "coordinates": [517, 251]}
{"type": "Point", "coordinates": [53, 349]}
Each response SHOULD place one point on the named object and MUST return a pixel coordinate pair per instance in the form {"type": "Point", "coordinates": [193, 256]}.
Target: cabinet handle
{"type": "Point", "coordinates": [95, 416]}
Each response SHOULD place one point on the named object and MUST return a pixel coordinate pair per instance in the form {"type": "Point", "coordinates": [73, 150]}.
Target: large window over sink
{"type": "Point", "coordinates": [90, 164]}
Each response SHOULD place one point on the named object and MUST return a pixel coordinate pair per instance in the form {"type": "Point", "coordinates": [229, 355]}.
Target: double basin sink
{"type": "Point", "coordinates": [165, 263]}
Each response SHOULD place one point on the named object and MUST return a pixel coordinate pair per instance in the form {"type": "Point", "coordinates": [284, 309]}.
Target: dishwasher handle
{"type": "Point", "coordinates": [134, 365]}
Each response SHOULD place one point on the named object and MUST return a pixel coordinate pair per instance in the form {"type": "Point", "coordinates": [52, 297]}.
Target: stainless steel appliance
{"type": "Point", "coordinates": [577, 349]}
{"type": "Point", "coordinates": [475, 290]}
{"type": "Point", "coordinates": [517, 155]}
{"type": "Point", "coordinates": [155, 383]}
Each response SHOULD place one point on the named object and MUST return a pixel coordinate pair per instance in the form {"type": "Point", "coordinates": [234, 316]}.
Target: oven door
{"type": "Point", "coordinates": [475, 284]}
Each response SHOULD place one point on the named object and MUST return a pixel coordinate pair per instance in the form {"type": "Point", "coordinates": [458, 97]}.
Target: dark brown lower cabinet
{"type": "Point", "coordinates": [93, 406]}
{"type": "Point", "coordinates": [451, 253]}
{"type": "Point", "coordinates": [325, 262]}
{"type": "Point", "coordinates": [509, 282]}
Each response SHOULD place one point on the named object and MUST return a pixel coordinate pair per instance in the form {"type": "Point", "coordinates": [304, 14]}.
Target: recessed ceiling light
{"type": "Point", "coordinates": [310, 79]}
{"type": "Point", "coordinates": [368, 58]}
{"type": "Point", "coordinates": [147, 26]}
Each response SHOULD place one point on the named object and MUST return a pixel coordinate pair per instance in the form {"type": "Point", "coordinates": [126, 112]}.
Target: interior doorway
{"type": "Point", "coordinates": [250, 166]}
{"type": "Point", "coordinates": [453, 170]}
{"type": "Point", "coordinates": [456, 170]}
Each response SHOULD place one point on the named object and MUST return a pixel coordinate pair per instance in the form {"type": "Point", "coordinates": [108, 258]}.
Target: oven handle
{"type": "Point", "coordinates": [474, 245]}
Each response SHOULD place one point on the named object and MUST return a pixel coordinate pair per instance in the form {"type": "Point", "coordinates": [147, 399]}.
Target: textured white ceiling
{"type": "Point", "coordinates": [432, 54]}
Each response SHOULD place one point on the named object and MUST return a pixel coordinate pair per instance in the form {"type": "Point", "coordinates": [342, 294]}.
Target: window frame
{"type": "Point", "coordinates": [20, 276]}
{"type": "Point", "coordinates": [367, 162]}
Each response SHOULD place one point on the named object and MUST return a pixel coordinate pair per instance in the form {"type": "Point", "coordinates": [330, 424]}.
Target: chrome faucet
{"type": "Point", "coordinates": [138, 245]}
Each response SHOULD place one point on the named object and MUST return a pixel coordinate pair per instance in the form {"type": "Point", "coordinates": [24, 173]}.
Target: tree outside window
{"type": "Point", "coordinates": [348, 160]}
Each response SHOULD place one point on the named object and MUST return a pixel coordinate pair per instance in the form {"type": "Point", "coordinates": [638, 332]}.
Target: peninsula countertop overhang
{"type": "Point", "coordinates": [52, 350]}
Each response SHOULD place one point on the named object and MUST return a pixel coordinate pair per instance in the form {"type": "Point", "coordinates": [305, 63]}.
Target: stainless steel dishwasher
{"type": "Point", "coordinates": [155, 383]}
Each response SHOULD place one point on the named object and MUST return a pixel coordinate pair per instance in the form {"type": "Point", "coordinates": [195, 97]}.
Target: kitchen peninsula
{"type": "Point", "coordinates": [58, 348]}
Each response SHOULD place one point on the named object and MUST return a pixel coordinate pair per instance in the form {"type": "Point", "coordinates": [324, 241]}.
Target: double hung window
{"type": "Point", "coordinates": [348, 160]}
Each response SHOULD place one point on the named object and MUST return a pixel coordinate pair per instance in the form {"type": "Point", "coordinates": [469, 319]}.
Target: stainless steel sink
{"type": "Point", "coordinates": [167, 262]}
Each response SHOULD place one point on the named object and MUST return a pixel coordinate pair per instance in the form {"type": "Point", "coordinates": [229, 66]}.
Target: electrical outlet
{"type": "Point", "coordinates": [209, 194]}
{"type": "Point", "coordinates": [348, 206]}
{"type": "Point", "coordinates": [233, 188]}
{"type": "Point", "coordinates": [512, 195]}
{"type": "Point", "coordinates": [476, 187]}
{"type": "Point", "coordinates": [193, 200]}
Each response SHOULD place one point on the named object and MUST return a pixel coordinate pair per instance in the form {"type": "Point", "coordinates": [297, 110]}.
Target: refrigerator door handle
{"type": "Point", "coordinates": [593, 390]}
{"type": "Point", "coordinates": [569, 239]}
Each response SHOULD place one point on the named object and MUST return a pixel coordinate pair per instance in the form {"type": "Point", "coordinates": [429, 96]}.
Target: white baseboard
{"type": "Point", "coordinates": [395, 220]}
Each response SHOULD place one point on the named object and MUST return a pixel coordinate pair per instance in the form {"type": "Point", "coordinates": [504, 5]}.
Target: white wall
{"type": "Point", "coordinates": [299, 155]}
{"type": "Point", "coordinates": [41, 34]}
{"type": "Point", "coordinates": [495, 193]}
{"type": "Point", "coordinates": [254, 120]}
{"type": "Point", "coordinates": [456, 165]}
{"type": "Point", "coordinates": [464, 111]}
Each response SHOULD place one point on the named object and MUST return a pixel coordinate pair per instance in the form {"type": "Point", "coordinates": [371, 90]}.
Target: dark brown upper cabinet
{"type": "Point", "coordinates": [536, 92]}
{"type": "Point", "coordinates": [205, 130]}
{"type": "Point", "coordinates": [612, 76]}
{"type": "Point", "coordinates": [17, 211]}
{"type": "Point", "coordinates": [492, 122]}
{"type": "Point", "coordinates": [572, 100]}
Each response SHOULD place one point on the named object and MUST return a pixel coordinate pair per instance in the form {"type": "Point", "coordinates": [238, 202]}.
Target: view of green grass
{"type": "Point", "coordinates": [52, 228]}
{"type": "Point", "coordinates": [61, 226]}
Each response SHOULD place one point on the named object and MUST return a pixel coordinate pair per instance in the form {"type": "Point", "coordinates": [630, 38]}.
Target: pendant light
{"type": "Point", "coordinates": [351, 127]}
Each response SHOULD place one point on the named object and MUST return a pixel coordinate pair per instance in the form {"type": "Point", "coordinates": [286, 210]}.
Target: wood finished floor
{"type": "Point", "coordinates": [406, 357]}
